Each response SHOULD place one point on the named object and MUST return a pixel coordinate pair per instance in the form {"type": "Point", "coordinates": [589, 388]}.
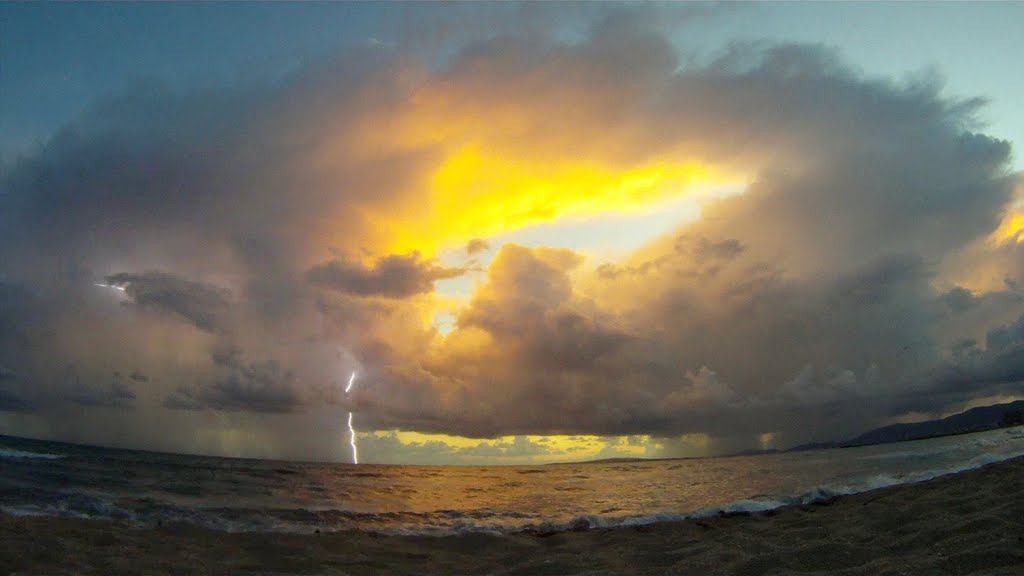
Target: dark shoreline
{"type": "Point", "coordinates": [966, 523]}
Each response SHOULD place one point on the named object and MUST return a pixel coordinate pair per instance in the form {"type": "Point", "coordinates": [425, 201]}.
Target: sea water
{"type": "Point", "coordinates": [153, 489]}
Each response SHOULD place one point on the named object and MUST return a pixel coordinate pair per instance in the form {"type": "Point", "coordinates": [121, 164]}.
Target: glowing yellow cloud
{"type": "Point", "coordinates": [557, 447]}
{"type": "Point", "coordinates": [475, 194]}
{"type": "Point", "coordinates": [1011, 230]}
{"type": "Point", "coordinates": [476, 153]}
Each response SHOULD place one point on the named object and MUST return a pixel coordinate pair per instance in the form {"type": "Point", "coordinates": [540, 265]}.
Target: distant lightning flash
{"type": "Point", "coordinates": [114, 286]}
{"type": "Point", "coordinates": [351, 430]}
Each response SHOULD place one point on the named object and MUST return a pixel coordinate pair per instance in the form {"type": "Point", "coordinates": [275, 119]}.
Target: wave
{"type": "Point", "coordinates": [816, 494]}
{"type": "Point", "coordinates": [11, 453]}
{"type": "Point", "coordinates": [151, 513]}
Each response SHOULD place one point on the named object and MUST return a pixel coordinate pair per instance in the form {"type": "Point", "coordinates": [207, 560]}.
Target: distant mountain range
{"type": "Point", "coordinates": [973, 420]}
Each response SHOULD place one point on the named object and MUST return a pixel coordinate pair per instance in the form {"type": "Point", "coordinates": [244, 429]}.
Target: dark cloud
{"type": "Point", "coordinates": [477, 245]}
{"type": "Point", "coordinates": [703, 249]}
{"type": "Point", "coordinates": [116, 394]}
{"type": "Point", "coordinates": [257, 387]}
{"type": "Point", "coordinates": [113, 392]}
{"type": "Point", "coordinates": [20, 313]}
{"type": "Point", "coordinates": [611, 271]}
{"type": "Point", "coordinates": [240, 385]}
{"type": "Point", "coordinates": [10, 401]}
{"type": "Point", "coordinates": [703, 257]}
{"type": "Point", "coordinates": [125, 178]}
{"type": "Point", "coordinates": [1006, 337]}
{"type": "Point", "coordinates": [958, 299]}
{"type": "Point", "coordinates": [261, 388]}
{"type": "Point", "coordinates": [395, 276]}
{"type": "Point", "coordinates": [203, 305]}
{"type": "Point", "coordinates": [995, 368]}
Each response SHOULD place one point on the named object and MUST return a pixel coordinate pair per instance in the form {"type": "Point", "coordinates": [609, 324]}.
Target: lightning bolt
{"type": "Point", "coordinates": [351, 430]}
{"type": "Point", "coordinates": [114, 286]}
{"type": "Point", "coordinates": [352, 441]}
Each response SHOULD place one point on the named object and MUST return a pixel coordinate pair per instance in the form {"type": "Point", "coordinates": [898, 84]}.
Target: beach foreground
{"type": "Point", "coordinates": [967, 523]}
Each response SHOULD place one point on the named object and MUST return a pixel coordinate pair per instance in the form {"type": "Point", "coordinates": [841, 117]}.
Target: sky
{"type": "Point", "coordinates": [534, 232]}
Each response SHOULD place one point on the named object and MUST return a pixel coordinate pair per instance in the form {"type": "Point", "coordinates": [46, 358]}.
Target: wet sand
{"type": "Point", "coordinates": [968, 523]}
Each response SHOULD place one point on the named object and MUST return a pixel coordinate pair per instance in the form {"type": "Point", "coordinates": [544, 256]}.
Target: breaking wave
{"type": "Point", "coordinates": [6, 453]}
{"type": "Point", "coordinates": [817, 494]}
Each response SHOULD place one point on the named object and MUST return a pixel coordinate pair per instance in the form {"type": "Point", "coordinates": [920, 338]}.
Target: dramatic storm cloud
{"type": "Point", "coordinates": [199, 304]}
{"type": "Point", "coordinates": [393, 276]}
{"type": "Point", "coordinates": [224, 259]}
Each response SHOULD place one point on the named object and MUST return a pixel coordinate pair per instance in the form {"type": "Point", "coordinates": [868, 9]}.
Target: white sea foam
{"type": "Point", "coordinates": [25, 510]}
{"type": "Point", "coordinates": [20, 454]}
{"type": "Point", "coordinates": [756, 505]}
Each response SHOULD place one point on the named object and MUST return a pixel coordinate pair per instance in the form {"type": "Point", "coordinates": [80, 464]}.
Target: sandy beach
{"type": "Point", "coordinates": [968, 523]}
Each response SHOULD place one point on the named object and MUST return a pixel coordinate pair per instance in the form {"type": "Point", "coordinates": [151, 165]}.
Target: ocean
{"type": "Point", "coordinates": [150, 489]}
